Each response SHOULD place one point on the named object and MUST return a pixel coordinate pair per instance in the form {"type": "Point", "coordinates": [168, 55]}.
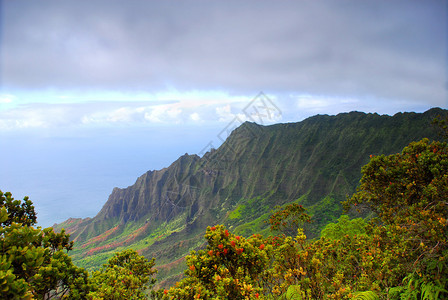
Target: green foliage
{"type": "Point", "coordinates": [344, 226]}
{"type": "Point", "coordinates": [10, 286]}
{"type": "Point", "coordinates": [229, 268]}
{"type": "Point", "coordinates": [35, 263]}
{"type": "Point", "coordinates": [368, 295]}
{"type": "Point", "coordinates": [415, 287]}
{"type": "Point", "coordinates": [293, 292]}
{"type": "Point", "coordinates": [288, 219]}
{"type": "Point", "coordinates": [284, 270]}
{"type": "Point", "coordinates": [236, 214]}
{"type": "Point", "coordinates": [322, 213]}
{"type": "Point", "coordinates": [408, 192]}
{"type": "Point", "coordinates": [18, 211]}
{"type": "Point", "coordinates": [127, 275]}
{"type": "Point", "coordinates": [441, 123]}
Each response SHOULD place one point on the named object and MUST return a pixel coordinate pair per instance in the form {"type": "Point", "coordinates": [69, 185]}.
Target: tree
{"type": "Point", "coordinates": [344, 226]}
{"type": "Point", "coordinates": [34, 261]}
{"type": "Point", "coordinates": [441, 125]}
{"type": "Point", "coordinates": [400, 254]}
{"type": "Point", "coordinates": [18, 211]}
{"type": "Point", "coordinates": [229, 268]}
{"type": "Point", "coordinates": [408, 192]}
{"type": "Point", "coordinates": [127, 275]}
{"type": "Point", "coordinates": [288, 219]}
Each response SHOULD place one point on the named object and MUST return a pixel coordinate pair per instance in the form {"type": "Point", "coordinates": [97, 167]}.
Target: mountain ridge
{"type": "Point", "coordinates": [315, 162]}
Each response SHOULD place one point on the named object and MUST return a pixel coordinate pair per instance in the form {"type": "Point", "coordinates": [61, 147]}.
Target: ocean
{"type": "Point", "coordinates": [71, 172]}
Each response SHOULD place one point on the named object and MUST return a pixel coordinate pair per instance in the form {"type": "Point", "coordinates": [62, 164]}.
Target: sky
{"type": "Point", "coordinates": [110, 89]}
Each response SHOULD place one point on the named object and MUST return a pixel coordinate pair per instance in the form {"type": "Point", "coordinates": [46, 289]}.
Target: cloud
{"type": "Point", "coordinates": [335, 48]}
{"type": "Point", "coordinates": [224, 113]}
{"type": "Point", "coordinates": [110, 115]}
{"type": "Point", "coordinates": [31, 117]}
{"type": "Point", "coordinates": [195, 117]}
{"type": "Point", "coordinates": [313, 103]}
{"type": "Point", "coordinates": [176, 113]}
{"type": "Point", "coordinates": [192, 109]}
{"type": "Point", "coordinates": [54, 115]}
{"type": "Point", "coordinates": [125, 113]}
{"type": "Point", "coordinates": [4, 99]}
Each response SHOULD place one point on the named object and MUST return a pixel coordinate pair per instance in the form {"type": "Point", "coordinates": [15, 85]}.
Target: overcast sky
{"type": "Point", "coordinates": [84, 63]}
{"type": "Point", "coordinates": [94, 93]}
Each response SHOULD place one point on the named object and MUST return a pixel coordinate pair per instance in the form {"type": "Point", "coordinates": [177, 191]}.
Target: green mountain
{"type": "Point", "coordinates": [315, 162]}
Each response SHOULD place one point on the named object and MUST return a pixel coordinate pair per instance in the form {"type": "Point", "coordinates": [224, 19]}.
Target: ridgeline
{"type": "Point", "coordinates": [315, 163]}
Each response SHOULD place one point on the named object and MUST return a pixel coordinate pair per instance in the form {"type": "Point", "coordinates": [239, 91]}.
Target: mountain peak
{"type": "Point", "coordinates": [315, 162]}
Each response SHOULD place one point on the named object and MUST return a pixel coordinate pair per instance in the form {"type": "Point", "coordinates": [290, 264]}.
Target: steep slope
{"type": "Point", "coordinates": [315, 162]}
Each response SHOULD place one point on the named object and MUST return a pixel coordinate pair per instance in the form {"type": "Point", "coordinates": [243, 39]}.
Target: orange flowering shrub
{"type": "Point", "coordinates": [229, 268]}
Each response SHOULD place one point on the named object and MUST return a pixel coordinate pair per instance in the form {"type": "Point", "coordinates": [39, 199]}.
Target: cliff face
{"type": "Point", "coordinates": [148, 194]}
{"type": "Point", "coordinates": [315, 162]}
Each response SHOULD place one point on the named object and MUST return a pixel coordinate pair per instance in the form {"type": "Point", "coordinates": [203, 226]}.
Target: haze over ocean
{"type": "Point", "coordinates": [73, 177]}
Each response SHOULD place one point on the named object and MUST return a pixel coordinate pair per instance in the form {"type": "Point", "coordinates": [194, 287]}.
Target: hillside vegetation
{"type": "Point", "coordinates": [400, 253]}
{"type": "Point", "coordinates": [315, 163]}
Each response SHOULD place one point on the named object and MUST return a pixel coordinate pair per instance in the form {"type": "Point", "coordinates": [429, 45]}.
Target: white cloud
{"type": "Point", "coordinates": [313, 103]}
{"type": "Point", "coordinates": [211, 107]}
{"type": "Point", "coordinates": [174, 112]}
{"type": "Point", "coordinates": [169, 113]}
{"type": "Point", "coordinates": [35, 117]}
{"type": "Point", "coordinates": [120, 115]}
{"type": "Point", "coordinates": [224, 113]}
{"type": "Point", "coordinates": [155, 115]}
{"type": "Point", "coordinates": [140, 109]}
{"type": "Point", "coordinates": [110, 115]}
{"type": "Point", "coordinates": [195, 117]}
{"type": "Point", "coordinates": [6, 99]}
{"type": "Point", "coordinates": [349, 100]}
{"type": "Point", "coordinates": [85, 108]}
